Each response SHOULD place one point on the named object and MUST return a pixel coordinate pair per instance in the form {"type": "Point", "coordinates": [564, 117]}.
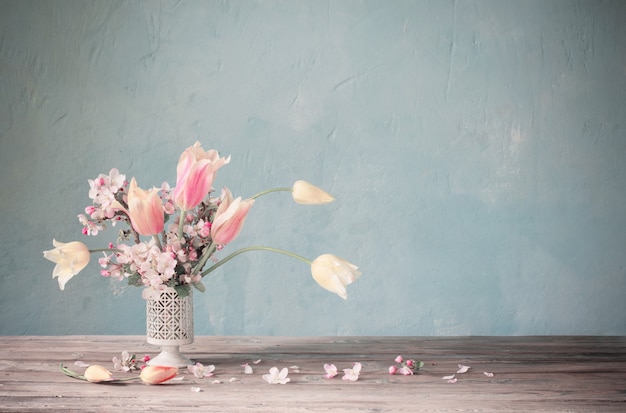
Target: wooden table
{"type": "Point", "coordinates": [549, 374]}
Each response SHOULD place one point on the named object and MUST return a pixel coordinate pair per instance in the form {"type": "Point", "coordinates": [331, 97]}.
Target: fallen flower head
{"type": "Point", "coordinates": [96, 374]}
{"type": "Point", "coordinates": [406, 367]}
{"type": "Point", "coordinates": [277, 377]}
{"type": "Point", "coordinates": [331, 371]}
{"type": "Point", "coordinates": [157, 374]}
{"type": "Point", "coordinates": [201, 371]}
{"type": "Point", "coordinates": [353, 373]}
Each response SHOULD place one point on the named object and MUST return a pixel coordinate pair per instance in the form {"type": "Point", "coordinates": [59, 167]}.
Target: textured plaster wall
{"type": "Point", "coordinates": [475, 149]}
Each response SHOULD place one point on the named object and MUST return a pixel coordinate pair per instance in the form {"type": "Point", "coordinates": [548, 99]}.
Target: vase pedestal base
{"type": "Point", "coordinates": [170, 356]}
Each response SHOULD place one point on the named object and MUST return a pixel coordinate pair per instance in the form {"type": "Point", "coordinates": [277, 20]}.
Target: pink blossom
{"type": "Point", "coordinates": [398, 359]}
{"type": "Point", "coordinates": [331, 371]}
{"type": "Point", "coordinates": [393, 369]}
{"type": "Point", "coordinates": [353, 373]}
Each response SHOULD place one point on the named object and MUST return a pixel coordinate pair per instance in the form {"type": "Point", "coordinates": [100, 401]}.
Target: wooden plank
{"type": "Point", "coordinates": [530, 374]}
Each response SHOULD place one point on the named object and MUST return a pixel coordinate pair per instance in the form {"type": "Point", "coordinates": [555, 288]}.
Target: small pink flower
{"type": "Point", "coordinates": [353, 373]}
{"type": "Point", "coordinates": [331, 371]}
{"type": "Point", "coordinates": [393, 369]}
{"type": "Point", "coordinates": [399, 359]}
{"type": "Point", "coordinates": [200, 371]}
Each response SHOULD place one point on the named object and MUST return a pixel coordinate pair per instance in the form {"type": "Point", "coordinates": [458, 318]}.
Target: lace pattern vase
{"type": "Point", "coordinates": [169, 324]}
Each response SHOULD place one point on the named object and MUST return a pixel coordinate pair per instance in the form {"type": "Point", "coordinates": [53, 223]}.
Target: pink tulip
{"type": "Point", "coordinates": [194, 175]}
{"type": "Point", "coordinates": [229, 218]}
{"type": "Point", "coordinates": [145, 209]}
{"type": "Point", "coordinates": [157, 374]}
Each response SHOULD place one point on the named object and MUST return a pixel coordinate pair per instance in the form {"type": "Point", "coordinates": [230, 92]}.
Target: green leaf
{"type": "Point", "coordinates": [182, 290]}
{"type": "Point", "coordinates": [135, 279]}
{"type": "Point", "coordinates": [199, 286]}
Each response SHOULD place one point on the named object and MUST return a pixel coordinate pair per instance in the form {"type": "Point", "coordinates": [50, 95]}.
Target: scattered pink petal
{"type": "Point", "coordinates": [405, 370]}
{"type": "Point", "coordinates": [452, 381]}
{"type": "Point", "coordinates": [196, 389]}
{"type": "Point", "coordinates": [398, 359]}
{"type": "Point", "coordinates": [247, 369]}
{"type": "Point", "coordinates": [462, 369]}
{"type": "Point", "coordinates": [450, 377]}
{"type": "Point", "coordinates": [233, 380]}
{"type": "Point", "coordinates": [296, 369]}
{"type": "Point", "coordinates": [256, 361]}
{"type": "Point", "coordinates": [331, 371]}
{"type": "Point", "coordinates": [488, 374]}
{"type": "Point", "coordinates": [81, 364]}
{"type": "Point", "coordinates": [216, 381]}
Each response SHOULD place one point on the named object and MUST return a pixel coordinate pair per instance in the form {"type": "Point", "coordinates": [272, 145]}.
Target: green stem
{"type": "Point", "coordinates": [204, 258]}
{"type": "Point", "coordinates": [71, 374]}
{"type": "Point", "coordinates": [254, 248]}
{"type": "Point", "coordinates": [272, 190]}
{"type": "Point", "coordinates": [158, 241]}
{"type": "Point", "coordinates": [104, 250]}
{"type": "Point", "coordinates": [181, 223]}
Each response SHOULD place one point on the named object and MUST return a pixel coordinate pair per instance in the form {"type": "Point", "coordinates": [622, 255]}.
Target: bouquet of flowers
{"type": "Point", "coordinates": [173, 233]}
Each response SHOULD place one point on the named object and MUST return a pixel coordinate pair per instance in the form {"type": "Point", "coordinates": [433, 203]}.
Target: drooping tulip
{"type": "Point", "coordinates": [308, 194]}
{"type": "Point", "coordinates": [334, 273]}
{"type": "Point", "coordinates": [145, 209]}
{"type": "Point", "coordinates": [97, 374]}
{"type": "Point", "coordinates": [157, 374]}
{"type": "Point", "coordinates": [70, 257]}
{"type": "Point", "coordinates": [229, 218]}
{"type": "Point", "coordinates": [194, 175]}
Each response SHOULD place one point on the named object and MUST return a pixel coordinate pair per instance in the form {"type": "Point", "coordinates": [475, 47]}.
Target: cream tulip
{"type": "Point", "coordinates": [97, 374]}
{"type": "Point", "coordinates": [308, 194]}
{"type": "Point", "coordinates": [70, 257]}
{"type": "Point", "coordinates": [334, 273]}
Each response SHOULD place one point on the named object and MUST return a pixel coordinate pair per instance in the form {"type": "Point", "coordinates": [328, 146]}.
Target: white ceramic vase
{"type": "Point", "coordinates": [169, 324]}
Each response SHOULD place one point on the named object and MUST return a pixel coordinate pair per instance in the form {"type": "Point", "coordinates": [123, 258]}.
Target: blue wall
{"type": "Point", "coordinates": [475, 149]}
